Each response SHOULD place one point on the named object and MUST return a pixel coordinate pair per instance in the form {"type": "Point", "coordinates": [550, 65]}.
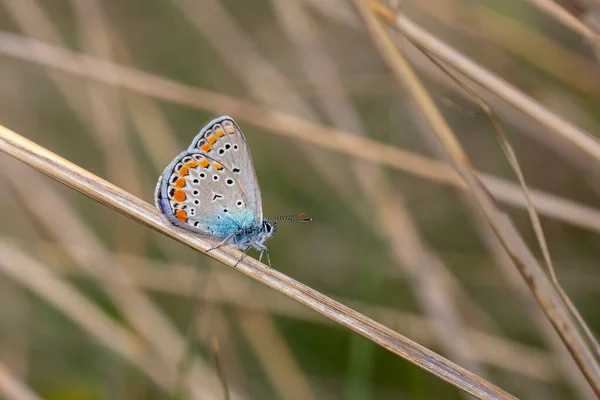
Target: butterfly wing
{"type": "Point", "coordinates": [212, 187]}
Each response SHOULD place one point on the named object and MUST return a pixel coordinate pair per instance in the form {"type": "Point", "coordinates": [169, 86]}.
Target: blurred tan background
{"type": "Point", "coordinates": [96, 306]}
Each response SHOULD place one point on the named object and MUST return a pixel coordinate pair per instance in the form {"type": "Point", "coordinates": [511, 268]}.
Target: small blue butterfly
{"type": "Point", "coordinates": [211, 188]}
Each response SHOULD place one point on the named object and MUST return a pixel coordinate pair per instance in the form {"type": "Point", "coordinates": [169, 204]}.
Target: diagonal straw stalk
{"type": "Point", "coordinates": [133, 207]}
{"type": "Point", "coordinates": [545, 293]}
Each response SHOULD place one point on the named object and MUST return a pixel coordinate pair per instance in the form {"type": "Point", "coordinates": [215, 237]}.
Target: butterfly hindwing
{"type": "Point", "coordinates": [212, 188]}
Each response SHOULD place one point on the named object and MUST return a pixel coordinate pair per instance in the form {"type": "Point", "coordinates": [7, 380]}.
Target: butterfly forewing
{"type": "Point", "coordinates": [212, 187]}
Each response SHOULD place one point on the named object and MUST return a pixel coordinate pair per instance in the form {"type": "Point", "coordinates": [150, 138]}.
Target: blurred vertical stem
{"type": "Point", "coordinates": [362, 352]}
{"type": "Point", "coordinates": [532, 273]}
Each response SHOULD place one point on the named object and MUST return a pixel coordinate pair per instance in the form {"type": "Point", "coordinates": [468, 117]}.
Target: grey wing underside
{"type": "Point", "coordinates": [212, 188]}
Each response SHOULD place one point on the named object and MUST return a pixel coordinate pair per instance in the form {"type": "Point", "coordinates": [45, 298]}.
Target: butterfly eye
{"type": "Point", "coordinates": [235, 147]}
{"type": "Point", "coordinates": [187, 160]}
{"type": "Point", "coordinates": [221, 151]}
{"type": "Point", "coordinates": [202, 175]}
{"type": "Point", "coordinates": [229, 182]}
{"type": "Point", "coordinates": [178, 167]}
{"type": "Point", "coordinates": [227, 146]}
{"type": "Point", "coordinates": [239, 203]}
{"type": "Point", "coordinates": [173, 179]}
{"type": "Point", "coordinates": [215, 178]}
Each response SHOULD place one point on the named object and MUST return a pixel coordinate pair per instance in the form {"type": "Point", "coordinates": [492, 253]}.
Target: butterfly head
{"type": "Point", "coordinates": [268, 229]}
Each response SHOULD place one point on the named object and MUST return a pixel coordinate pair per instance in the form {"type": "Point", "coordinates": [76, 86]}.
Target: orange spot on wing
{"type": "Point", "coordinates": [179, 195]}
{"type": "Point", "coordinates": [191, 164]}
{"type": "Point", "coordinates": [184, 171]}
{"type": "Point", "coordinates": [181, 215]}
{"type": "Point", "coordinates": [204, 163]}
{"type": "Point", "coordinates": [220, 133]}
{"type": "Point", "coordinates": [217, 166]}
{"type": "Point", "coordinates": [206, 147]}
{"type": "Point", "coordinates": [211, 139]}
{"type": "Point", "coordinates": [180, 183]}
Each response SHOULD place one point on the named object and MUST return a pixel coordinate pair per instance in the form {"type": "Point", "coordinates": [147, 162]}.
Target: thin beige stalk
{"type": "Point", "coordinates": [290, 126]}
{"type": "Point", "coordinates": [568, 132]}
{"type": "Point", "coordinates": [511, 156]}
{"type": "Point", "coordinates": [275, 356]}
{"type": "Point", "coordinates": [13, 388]}
{"type": "Point", "coordinates": [30, 274]}
{"type": "Point", "coordinates": [533, 274]}
{"type": "Point", "coordinates": [564, 17]}
{"type": "Point", "coordinates": [431, 282]}
{"type": "Point", "coordinates": [56, 216]}
{"type": "Point", "coordinates": [121, 201]}
{"type": "Point", "coordinates": [531, 210]}
{"type": "Point", "coordinates": [227, 288]}
{"type": "Point", "coordinates": [497, 29]}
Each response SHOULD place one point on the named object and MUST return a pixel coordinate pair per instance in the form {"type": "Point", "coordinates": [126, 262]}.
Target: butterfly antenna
{"type": "Point", "coordinates": [294, 217]}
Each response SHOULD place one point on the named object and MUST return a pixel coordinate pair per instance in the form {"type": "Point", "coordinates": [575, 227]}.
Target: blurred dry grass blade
{"type": "Point", "coordinates": [289, 126]}
{"type": "Point", "coordinates": [513, 161]}
{"type": "Point", "coordinates": [228, 288]}
{"type": "Point", "coordinates": [432, 282]}
{"type": "Point", "coordinates": [563, 129]}
{"type": "Point", "coordinates": [543, 290]}
{"type": "Point", "coordinates": [56, 217]}
{"type": "Point", "coordinates": [564, 17]}
{"type": "Point", "coordinates": [41, 281]}
{"type": "Point", "coordinates": [216, 356]}
{"type": "Point", "coordinates": [121, 201]}
{"type": "Point", "coordinates": [14, 389]}
{"type": "Point", "coordinates": [275, 355]}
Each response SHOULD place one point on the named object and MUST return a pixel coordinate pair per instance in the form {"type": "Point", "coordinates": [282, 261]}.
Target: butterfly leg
{"type": "Point", "coordinates": [265, 250]}
{"type": "Point", "coordinates": [242, 257]}
{"type": "Point", "coordinates": [220, 244]}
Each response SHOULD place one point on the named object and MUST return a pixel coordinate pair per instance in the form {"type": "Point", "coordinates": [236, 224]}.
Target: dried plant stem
{"type": "Point", "coordinates": [14, 389]}
{"type": "Point", "coordinates": [41, 281]}
{"type": "Point", "coordinates": [543, 290]}
{"type": "Point", "coordinates": [563, 129]}
{"type": "Point", "coordinates": [289, 126]}
{"type": "Point", "coordinates": [228, 288]}
{"type": "Point", "coordinates": [561, 15]}
{"type": "Point", "coordinates": [511, 156]}
{"type": "Point", "coordinates": [121, 201]}
{"type": "Point", "coordinates": [275, 355]}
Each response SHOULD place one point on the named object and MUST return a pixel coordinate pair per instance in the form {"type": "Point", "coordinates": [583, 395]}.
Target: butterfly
{"type": "Point", "coordinates": [212, 189]}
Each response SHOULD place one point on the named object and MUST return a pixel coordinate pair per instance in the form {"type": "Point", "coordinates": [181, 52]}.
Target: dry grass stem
{"type": "Point", "coordinates": [13, 388]}
{"type": "Point", "coordinates": [564, 129]}
{"type": "Point", "coordinates": [548, 298]}
{"type": "Point", "coordinates": [431, 281]}
{"type": "Point", "coordinates": [538, 50]}
{"type": "Point", "coordinates": [289, 126]}
{"type": "Point", "coordinates": [275, 356]}
{"type": "Point", "coordinates": [227, 288]}
{"type": "Point", "coordinates": [511, 156]}
{"type": "Point", "coordinates": [561, 15]}
{"type": "Point", "coordinates": [119, 200]}
{"type": "Point", "coordinates": [41, 281]}
{"type": "Point", "coordinates": [57, 218]}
